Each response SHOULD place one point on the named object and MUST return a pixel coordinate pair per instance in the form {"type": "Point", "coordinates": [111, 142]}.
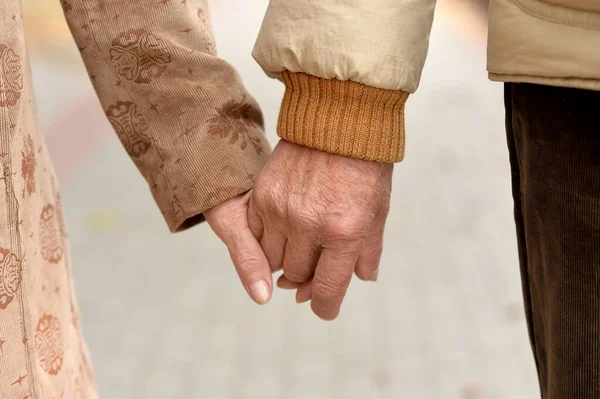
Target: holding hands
{"type": "Point", "coordinates": [318, 216]}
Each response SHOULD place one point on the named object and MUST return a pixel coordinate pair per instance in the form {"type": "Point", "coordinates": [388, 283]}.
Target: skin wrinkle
{"type": "Point", "coordinates": [302, 221]}
{"type": "Point", "coordinates": [329, 288]}
{"type": "Point", "coordinates": [328, 207]}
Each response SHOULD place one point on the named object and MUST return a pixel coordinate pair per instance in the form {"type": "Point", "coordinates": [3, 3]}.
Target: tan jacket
{"type": "Point", "coordinates": [183, 116]}
{"type": "Point", "coordinates": [382, 46]}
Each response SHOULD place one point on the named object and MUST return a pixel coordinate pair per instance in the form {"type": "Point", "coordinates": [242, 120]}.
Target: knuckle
{"type": "Point", "coordinates": [327, 290]}
{"type": "Point", "coordinates": [269, 202]}
{"type": "Point", "coordinates": [303, 218]}
{"type": "Point", "coordinates": [226, 225]}
{"type": "Point", "coordinates": [248, 264]}
{"type": "Point", "coordinates": [276, 208]}
{"type": "Point", "coordinates": [347, 228]}
{"type": "Point", "coordinates": [294, 275]}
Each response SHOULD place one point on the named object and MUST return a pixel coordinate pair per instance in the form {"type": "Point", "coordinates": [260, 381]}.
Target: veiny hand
{"type": "Point", "coordinates": [229, 221]}
{"type": "Point", "coordinates": [320, 216]}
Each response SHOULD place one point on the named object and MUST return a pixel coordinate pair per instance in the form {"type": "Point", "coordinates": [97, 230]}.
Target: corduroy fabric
{"type": "Point", "coordinates": [343, 117]}
{"type": "Point", "coordinates": [554, 144]}
{"type": "Point", "coordinates": [183, 116]}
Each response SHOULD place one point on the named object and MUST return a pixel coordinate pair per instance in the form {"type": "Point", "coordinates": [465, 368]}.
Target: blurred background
{"type": "Point", "coordinates": [444, 321]}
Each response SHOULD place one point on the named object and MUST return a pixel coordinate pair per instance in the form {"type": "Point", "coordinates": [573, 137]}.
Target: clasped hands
{"type": "Point", "coordinates": [318, 216]}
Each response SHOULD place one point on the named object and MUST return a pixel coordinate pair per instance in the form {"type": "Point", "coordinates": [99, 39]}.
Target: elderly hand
{"type": "Point", "coordinates": [320, 217]}
{"type": "Point", "coordinates": [229, 221]}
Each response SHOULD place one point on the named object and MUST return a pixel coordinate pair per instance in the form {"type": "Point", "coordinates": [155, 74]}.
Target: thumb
{"type": "Point", "coordinates": [229, 221]}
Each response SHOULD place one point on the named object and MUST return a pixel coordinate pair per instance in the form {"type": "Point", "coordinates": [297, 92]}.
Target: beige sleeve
{"type": "Point", "coordinates": [379, 45]}
{"type": "Point", "coordinates": [182, 114]}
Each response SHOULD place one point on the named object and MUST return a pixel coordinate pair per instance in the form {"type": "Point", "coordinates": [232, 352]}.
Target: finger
{"type": "Point", "coordinates": [254, 221]}
{"type": "Point", "coordinates": [367, 266]}
{"type": "Point", "coordinates": [332, 278]}
{"type": "Point", "coordinates": [230, 223]}
{"type": "Point", "coordinates": [251, 265]}
{"type": "Point", "coordinates": [301, 255]}
{"type": "Point", "coordinates": [286, 284]}
{"type": "Point", "coordinates": [273, 243]}
{"type": "Point", "coordinates": [304, 292]}
{"type": "Point", "coordinates": [271, 240]}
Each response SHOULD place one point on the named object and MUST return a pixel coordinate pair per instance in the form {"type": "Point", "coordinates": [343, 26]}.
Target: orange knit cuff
{"type": "Point", "coordinates": [343, 117]}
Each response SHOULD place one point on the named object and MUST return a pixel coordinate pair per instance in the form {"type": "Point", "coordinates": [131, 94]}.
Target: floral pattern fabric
{"type": "Point", "coordinates": [197, 143]}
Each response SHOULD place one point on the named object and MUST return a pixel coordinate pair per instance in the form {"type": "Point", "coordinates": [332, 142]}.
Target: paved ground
{"type": "Point", "coordinates": [445, 320]}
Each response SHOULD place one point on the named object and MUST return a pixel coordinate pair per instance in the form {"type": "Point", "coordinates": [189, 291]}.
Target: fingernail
{"type": "Point", "coordinates": [375, 275]}
{"type": "Point", "coordinates": [260, 292]}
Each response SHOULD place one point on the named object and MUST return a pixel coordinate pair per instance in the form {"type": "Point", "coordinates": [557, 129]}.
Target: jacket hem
{"type": "Point", "coordinates": [575, 83]}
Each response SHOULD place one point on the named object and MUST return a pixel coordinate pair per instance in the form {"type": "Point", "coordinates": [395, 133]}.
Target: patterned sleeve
{"type": "Point", "coordinates": [182, 113]}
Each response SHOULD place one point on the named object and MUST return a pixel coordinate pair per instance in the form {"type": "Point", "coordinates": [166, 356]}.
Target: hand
{"type": "Point", "coordinates": [229, 221]}
{"type": "Point", "coordinates": [320, 217]}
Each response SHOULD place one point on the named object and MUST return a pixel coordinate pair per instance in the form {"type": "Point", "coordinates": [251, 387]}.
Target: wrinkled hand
{"type": "Point", "coordinates": [320, 217]}
{"type": "Point", "coordinates": [229, 221]}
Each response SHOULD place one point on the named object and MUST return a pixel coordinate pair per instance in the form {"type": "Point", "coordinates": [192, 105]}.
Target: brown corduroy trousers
{"type": "Point", "coordinates": [554, 144]}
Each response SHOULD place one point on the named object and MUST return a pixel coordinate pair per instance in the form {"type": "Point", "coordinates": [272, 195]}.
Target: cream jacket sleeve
{"type": "Point", "coordinates": [348, 67]}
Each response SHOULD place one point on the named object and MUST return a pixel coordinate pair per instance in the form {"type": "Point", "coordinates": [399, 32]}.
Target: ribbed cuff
{"type": "Point", "coordinates": [343, 117]}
